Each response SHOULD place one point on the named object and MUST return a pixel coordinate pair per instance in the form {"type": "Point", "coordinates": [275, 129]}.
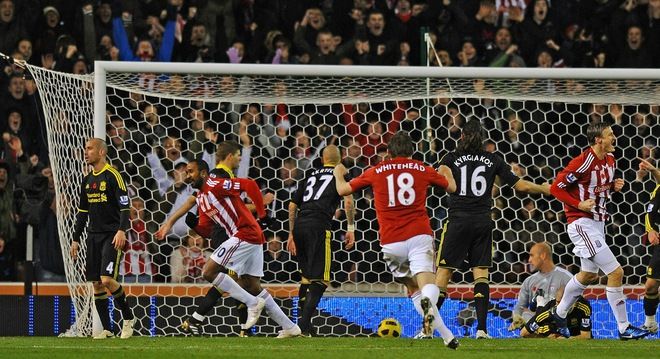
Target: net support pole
{"type": "Point", "coordinates": [99, 100]}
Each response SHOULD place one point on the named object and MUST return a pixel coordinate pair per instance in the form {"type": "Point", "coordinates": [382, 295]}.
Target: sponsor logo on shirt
{"type": "Point", "coordinates": [570, 178]}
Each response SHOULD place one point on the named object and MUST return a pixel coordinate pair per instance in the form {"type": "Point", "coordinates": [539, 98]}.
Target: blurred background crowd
{"type": "Point", "coordinates": [152, 138]}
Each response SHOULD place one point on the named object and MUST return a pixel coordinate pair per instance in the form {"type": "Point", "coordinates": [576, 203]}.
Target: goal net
{"type": "Point", "coordinates": [154, 116]}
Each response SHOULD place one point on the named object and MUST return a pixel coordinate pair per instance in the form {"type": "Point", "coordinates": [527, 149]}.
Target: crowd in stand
{"type": "Point", "coordinates": [152, 138]}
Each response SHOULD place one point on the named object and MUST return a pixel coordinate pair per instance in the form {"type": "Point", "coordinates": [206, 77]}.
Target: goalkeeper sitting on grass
{"type": "Point", "coordinates": [543, 325]}
{"type": "Point", "coordinates": [538, 288]}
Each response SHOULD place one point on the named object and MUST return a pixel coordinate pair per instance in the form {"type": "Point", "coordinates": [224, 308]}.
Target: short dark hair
{"type": "Point", "coordinates": [227, 148]}
{"type": "Point", "coordinates": [401, 145]}
{"type": "Point", "coordinates": [595, 130]}
{"type": "Point", "coordinates": [473, 137]}
{"type": "Point", "coordinates": [201, 164]}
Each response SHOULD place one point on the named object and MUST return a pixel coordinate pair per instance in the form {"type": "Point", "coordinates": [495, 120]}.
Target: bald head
{"type": "Point", "coordinates": [543, 248]}
{"type": "Point", "coordinates": [99, 144]}
{"type": "Point", "coordinates": [540, 257]}
{"type": "Point", "coordinates": [331, 155]}
{"type": "Point", "coordinates": [95, 152]}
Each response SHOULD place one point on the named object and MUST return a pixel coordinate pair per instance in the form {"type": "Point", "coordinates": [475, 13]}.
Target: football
{"type": "Point", "coordinates": [389, 328]}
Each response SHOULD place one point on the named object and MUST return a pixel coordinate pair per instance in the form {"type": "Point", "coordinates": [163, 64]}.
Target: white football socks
{"type": "Point", "coordinates": [438, 323]}
{"type": "Point", "coordinates": [225, 283]}
{"type": "Point", "coordinates": [275, 312]}
{"type": "Point", "coordinates": [573, 290]}
{"type": "Point", "coordinates": [617, 301]}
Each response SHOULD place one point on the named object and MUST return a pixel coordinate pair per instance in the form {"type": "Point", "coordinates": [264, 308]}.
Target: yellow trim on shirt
{"type": "Point", "coordinates": [224, 167]}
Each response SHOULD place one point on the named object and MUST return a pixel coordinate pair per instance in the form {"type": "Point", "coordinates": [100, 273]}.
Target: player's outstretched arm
{"type": "Point", "coordinates": [451, 182]}
{"type": "Point", "coordinates": [349, 207]}
{"type": "Point", "coordinates": [293, 213]}
{"type": "Point", "coordinates": [162, 232]}
{"type": "Point", "coordinates": [343, 188]}
{"type": "Point", "coordinates": [531, 187]}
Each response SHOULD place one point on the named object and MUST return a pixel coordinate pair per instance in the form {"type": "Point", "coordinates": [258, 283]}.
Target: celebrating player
{"type": "Point", "coordinates": [584, 187]}
{"type": "Point", "coordinates": [309, 232]}
{"type": "Point", "coordinates": [468, 232]}
{"type": "Point", "coordinates": [399, 185]}
{"type": "Point", "coordinates": [219, 202]}
{"type": "Point", "coordinates": [229, 157]}
{"type": "Point", "coordinates": [103, 198]}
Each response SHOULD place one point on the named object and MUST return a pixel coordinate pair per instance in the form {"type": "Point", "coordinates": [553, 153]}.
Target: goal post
{"type": "Point", "coordinates": [152, 114]}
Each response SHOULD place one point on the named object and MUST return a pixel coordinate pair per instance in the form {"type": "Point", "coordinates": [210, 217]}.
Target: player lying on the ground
{"type": "Point", "coordinates": [543, 325]}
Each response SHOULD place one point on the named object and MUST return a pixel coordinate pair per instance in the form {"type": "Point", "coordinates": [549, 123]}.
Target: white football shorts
{"type": "Point", "coordinates": [588, 236]}
{"type": "Point", "coordinates": [409, 257]}
{"type": "Point", "coordinates": [241, 257]}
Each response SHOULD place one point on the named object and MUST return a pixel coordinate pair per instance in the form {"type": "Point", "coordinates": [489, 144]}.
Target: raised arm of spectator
{"type": "Point", "coordinates": [159, 173]}
{"type": "Point", "coordinates": [89, 32]}
{"type": "Point", "coordinates": [246, 153]}
{"type": "Point", "coordinates": [119, 35]}
{"type": "Point", "coordinates": [302, 46]}
{"type": "Point", "coordinates": [167, 45]}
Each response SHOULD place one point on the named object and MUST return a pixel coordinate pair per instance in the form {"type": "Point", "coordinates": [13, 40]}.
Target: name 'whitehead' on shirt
{"type": "Point", "coordinates": [400, 166]}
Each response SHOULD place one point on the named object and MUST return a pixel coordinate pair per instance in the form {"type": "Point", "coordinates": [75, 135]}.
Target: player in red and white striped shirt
{"type": "Point", "coordinates": [219, 201]}
{"type": "Point", "coordinates": [584, 187]}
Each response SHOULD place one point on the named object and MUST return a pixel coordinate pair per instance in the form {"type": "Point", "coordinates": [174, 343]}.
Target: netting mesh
{"type": "Point", "coordinates": [156, 121]}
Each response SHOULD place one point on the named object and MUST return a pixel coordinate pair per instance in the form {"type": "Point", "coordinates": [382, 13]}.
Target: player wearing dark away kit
{"type": "Point", "coordinates": [543, 325]}
{"type": "Point", "coordinates": [652, 224]}
{"type": "Point", "coordinates": [467, 232]}
{"type": "Point", "coordinates": [103, 199]}
{"type": "Point", "coordinates": [310, 219]}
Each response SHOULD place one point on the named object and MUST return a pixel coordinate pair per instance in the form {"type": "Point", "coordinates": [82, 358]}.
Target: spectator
{"type": "Point", "coordinates": [196, 44]}
{"type": "Point", "coordinates": [50, 267]}
{"type": "Point", "coordinates": [188, 259]}
{"type": "Point", "coordinates": [137, 265]}
{"type": "Point", "coordinates": [278, 265]}
{"type": "Point", "coordinates": [16, 20]}
{"type": "Point", "coordinates": [634, 54]}
{"type": "Point", "coordinates": [504, 50]}
{"type": "Point", "coordinates": [7, 221]}
{"type": "Point", "coordinates": [533, 29]}
{"type": "Point", "coordinates": [145, 49]}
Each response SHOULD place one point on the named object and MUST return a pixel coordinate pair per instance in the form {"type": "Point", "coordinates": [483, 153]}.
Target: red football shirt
{"type": "Point", "coordinates": [585, 177]}
{"type": "Point", "coordinates": [219, 202]}
{"type": "Point", "coordinates": [399, 186]}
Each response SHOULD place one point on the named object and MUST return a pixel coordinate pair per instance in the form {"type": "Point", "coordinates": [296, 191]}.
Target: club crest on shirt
{"type": "Point", "coordinates": [570, 178]}
{"type": "Point", "coordinates": [102, 186]}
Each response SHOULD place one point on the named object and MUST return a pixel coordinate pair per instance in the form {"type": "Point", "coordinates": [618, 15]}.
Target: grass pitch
{"type": "Point", "coordinates": [297, 348]}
